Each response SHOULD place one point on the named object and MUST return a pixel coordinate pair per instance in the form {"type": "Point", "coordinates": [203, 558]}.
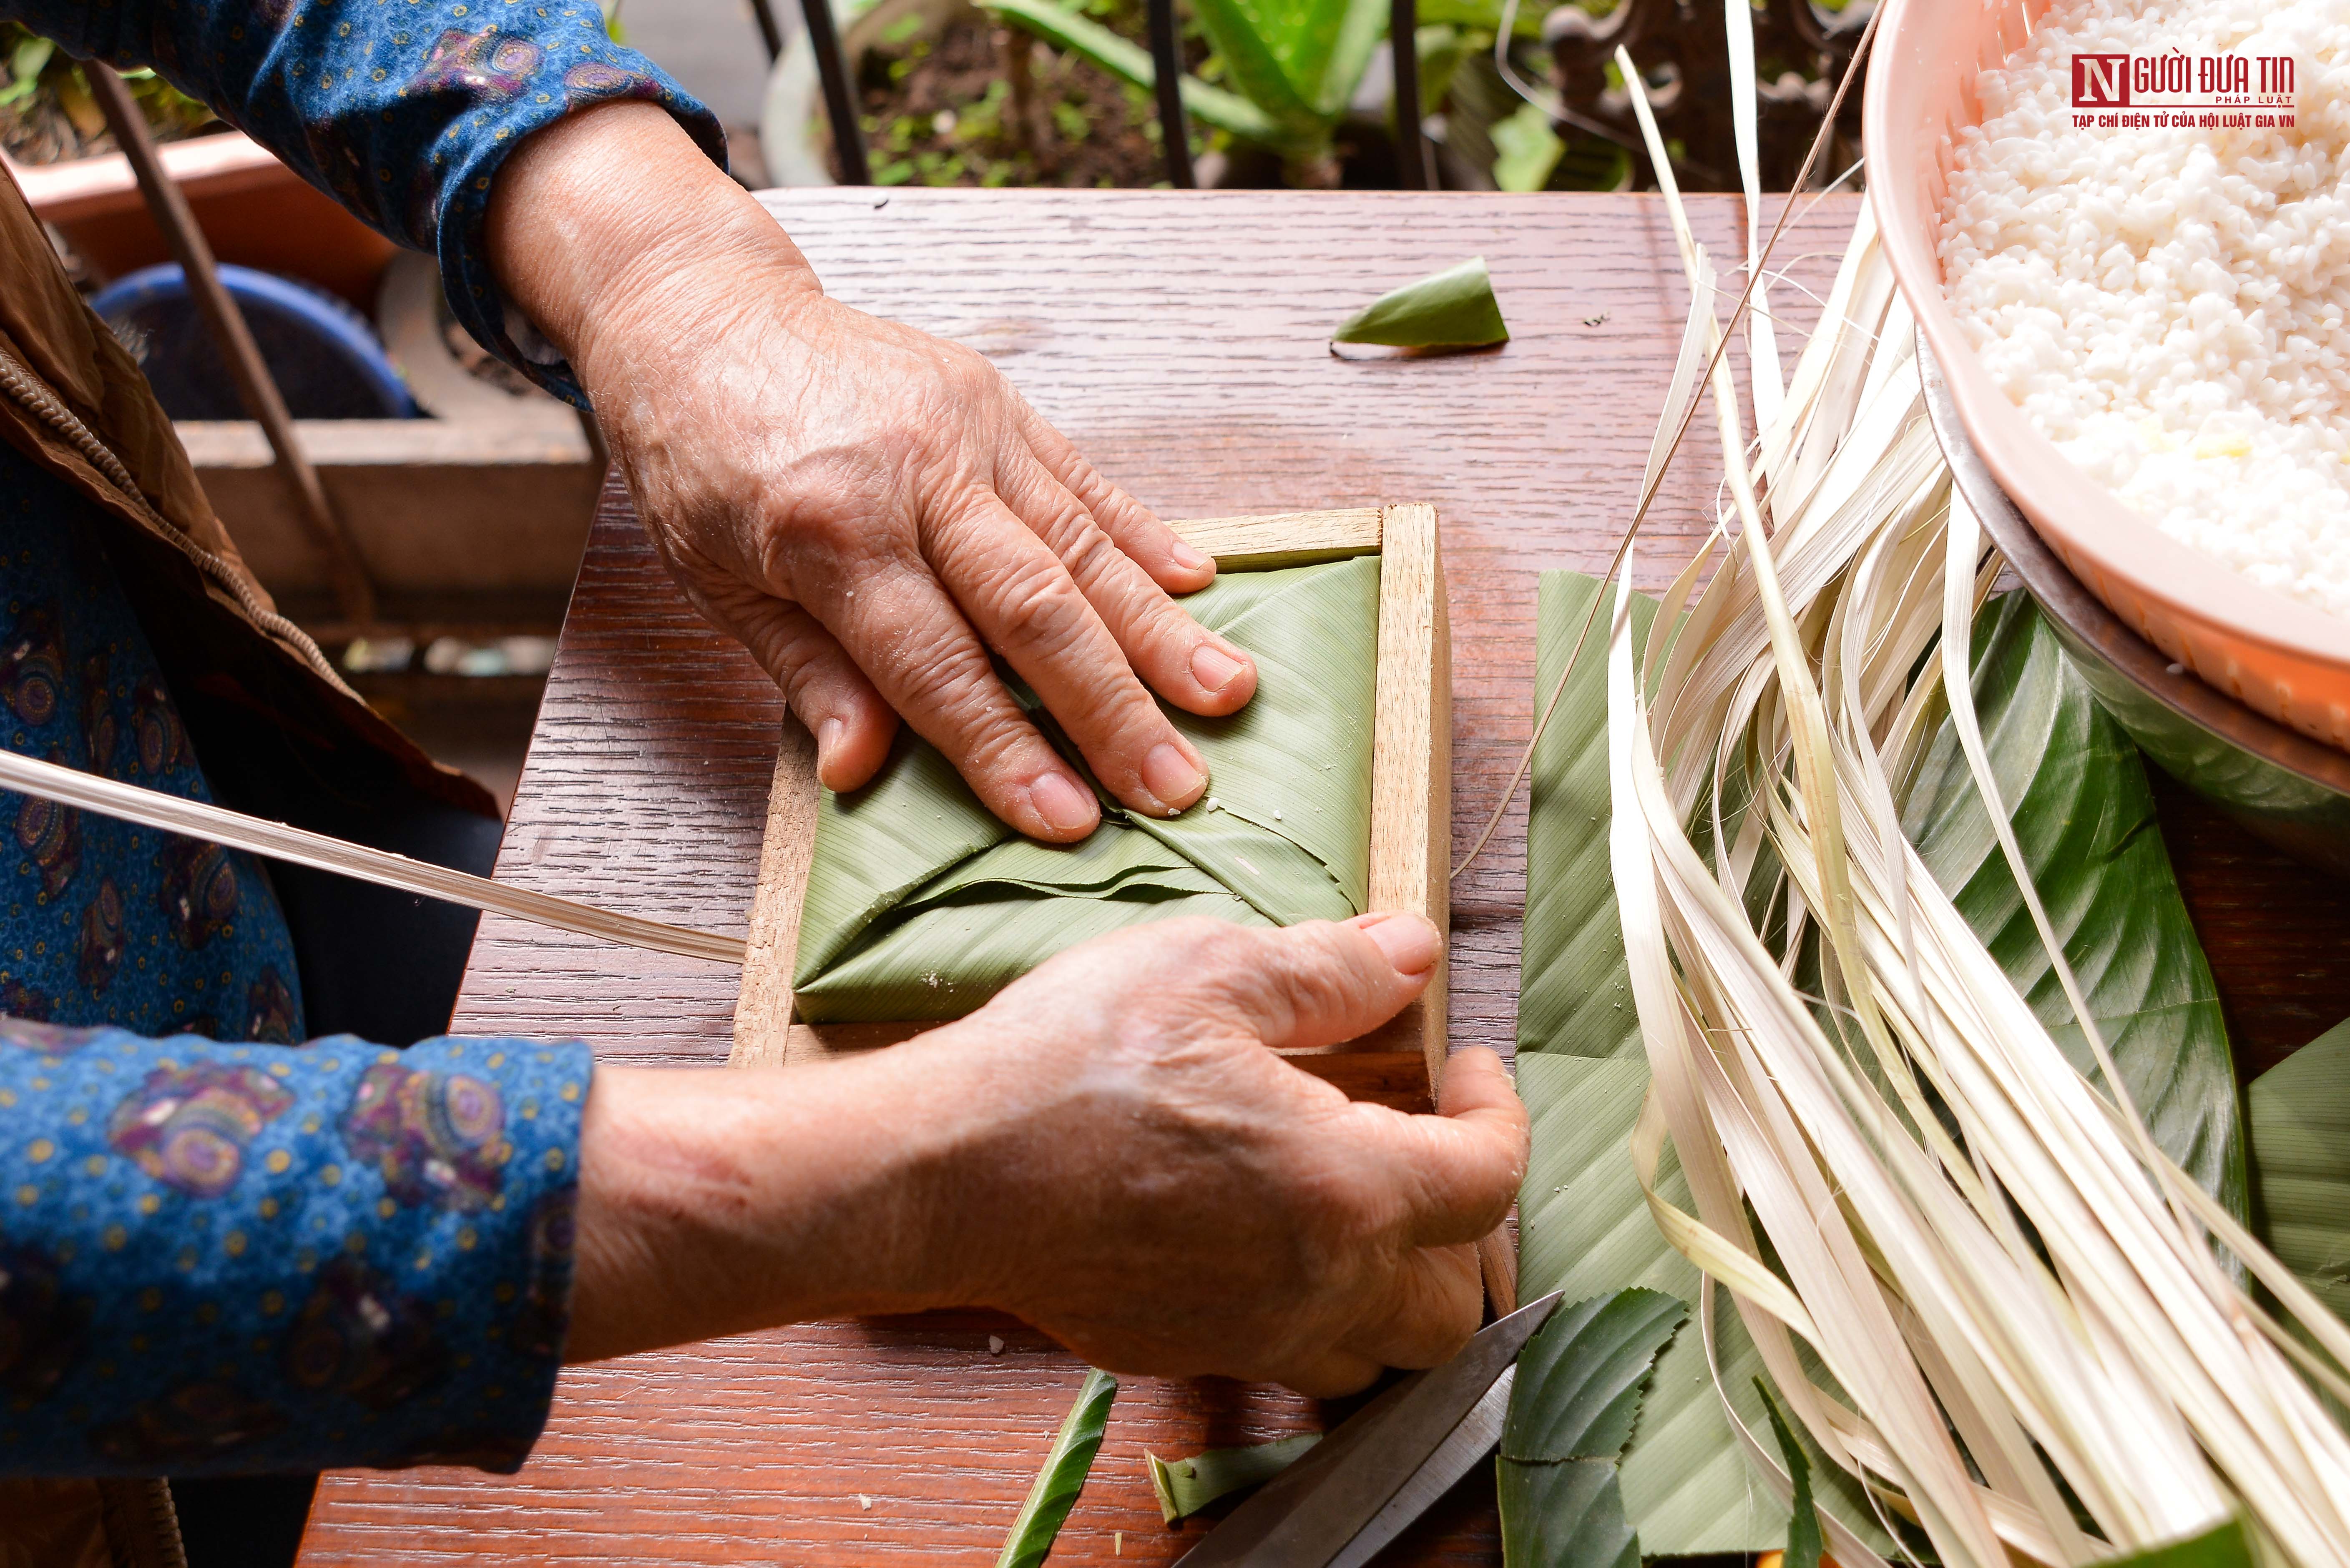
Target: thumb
{"type": "Point", "coordinates": [1298, 987]}
{"type": "Point", "coordinates": [1471, 1157]}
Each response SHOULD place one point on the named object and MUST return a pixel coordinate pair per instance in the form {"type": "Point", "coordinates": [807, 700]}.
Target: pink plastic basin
{"type": "Point", "coordinates": [2283, 657]}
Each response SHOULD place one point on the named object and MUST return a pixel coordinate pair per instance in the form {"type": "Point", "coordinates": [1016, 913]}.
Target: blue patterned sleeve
{"type": "Point", "coordinates": [219, 1259]}
{"type": "Point", "coordinates": [401, 110]}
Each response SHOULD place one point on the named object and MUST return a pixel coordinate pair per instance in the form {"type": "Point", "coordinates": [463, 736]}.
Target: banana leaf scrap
{"type": "Point", "coordinates": [921, 905]}
{"type": "Point", "coordinates": [1454, 308]}
{"type": "Point", "coordinates": [1184, 1487]}
{"type": "Point", "coordinates": [1062, 1475]}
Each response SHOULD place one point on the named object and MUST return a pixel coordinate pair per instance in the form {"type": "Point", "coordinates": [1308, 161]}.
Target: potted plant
{"type": "Point", "coordinates": [1046, 92]}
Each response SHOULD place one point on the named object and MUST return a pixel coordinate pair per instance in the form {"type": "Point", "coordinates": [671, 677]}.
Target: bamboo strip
{"type": "Point", "coordinates": [196, 819]}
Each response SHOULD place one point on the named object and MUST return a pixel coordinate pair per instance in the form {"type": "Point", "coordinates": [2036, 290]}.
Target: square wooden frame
{"type": "Point", "coordinates": [1411, 806]}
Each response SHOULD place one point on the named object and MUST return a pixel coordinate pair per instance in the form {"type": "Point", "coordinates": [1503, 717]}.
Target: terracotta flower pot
{"type": "Point", "coordinates": [255, 210]}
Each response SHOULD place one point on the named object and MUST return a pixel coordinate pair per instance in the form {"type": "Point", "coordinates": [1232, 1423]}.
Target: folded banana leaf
{"type": "Point", "coordinates": [921, 905]}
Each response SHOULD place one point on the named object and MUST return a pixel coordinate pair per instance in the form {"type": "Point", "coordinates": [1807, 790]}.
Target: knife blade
{"type": "Point", "coordinates": [1479, 1433]}
{"type": "Point", "coordinates": [1305, 1517]}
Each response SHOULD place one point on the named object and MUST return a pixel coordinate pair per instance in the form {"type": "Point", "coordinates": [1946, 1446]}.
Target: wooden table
{"type": "Point", "coordinates": [1180, 340]}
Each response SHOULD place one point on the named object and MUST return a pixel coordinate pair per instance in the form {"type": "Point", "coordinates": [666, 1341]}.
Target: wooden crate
{"type": "Point", "coordinates": [1411, 809]}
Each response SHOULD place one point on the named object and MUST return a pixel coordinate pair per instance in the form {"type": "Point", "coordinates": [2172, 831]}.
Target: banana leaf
{"type": "Point", "coordinates": [2228, 1545]}
{"type": "Point", "coordinates": [1452, 308]}
{"type": "Point", "coordinates": [2300, 1126]}
{"type": "Point", "coordinates": [1584, 1374]}
{"type": "Point", "coordinates": [1063, 1476]}
{"type": "Point", "coordinates": [2084, 814]}
{"type": "Point", "coordinates": [1581, 1380]}
{"type": "Point", "coordinates": [1582, 1224]}
{"type": "Point", "coordinates": [921, 905]}
{"type": "Point", "coordinates": [1566, 1515]}
{"type": "Point", "coordinates": [1186, 1486]}
{"type": "Point", "coordinates": [1583, 1227]}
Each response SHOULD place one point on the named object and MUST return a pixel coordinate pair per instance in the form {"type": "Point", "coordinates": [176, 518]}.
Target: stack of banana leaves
{"type": "Point", "coordinates": [921, 905]}
{"type": "Point", "coordinates": [1886, 1142]}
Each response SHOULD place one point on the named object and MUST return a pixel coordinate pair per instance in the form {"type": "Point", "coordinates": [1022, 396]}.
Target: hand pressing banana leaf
{"type": "Point", "coordinates": [921, 905]}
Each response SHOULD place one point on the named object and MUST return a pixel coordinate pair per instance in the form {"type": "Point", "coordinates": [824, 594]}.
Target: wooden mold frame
{"type": "Point", "coordinates": [1411, 807]}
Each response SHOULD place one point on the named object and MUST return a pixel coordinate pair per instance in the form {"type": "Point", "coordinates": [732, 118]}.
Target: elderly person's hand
{"type": "Point", "coordinates": [1109, 1149]}
{"type": "Point", "coordinates": [871, 510]}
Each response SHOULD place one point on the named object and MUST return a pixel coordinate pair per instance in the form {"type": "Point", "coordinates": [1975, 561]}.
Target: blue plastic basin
{"type": "Point", "coordinates": [324, 357]}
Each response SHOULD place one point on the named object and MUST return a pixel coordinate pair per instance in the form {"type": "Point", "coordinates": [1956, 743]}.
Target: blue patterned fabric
{"type": "Point", "coordinates": [401, 110]}
{"type": "Point", "coordinates": [247, 1257]}
{"type": "Point", "coordinates": [219, 1258]}
{"type": "Point", "coordinates": [106, 922]}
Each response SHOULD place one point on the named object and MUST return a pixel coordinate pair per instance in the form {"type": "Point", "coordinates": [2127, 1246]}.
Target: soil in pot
{"type": "Point", "coordinates": [975, 103]}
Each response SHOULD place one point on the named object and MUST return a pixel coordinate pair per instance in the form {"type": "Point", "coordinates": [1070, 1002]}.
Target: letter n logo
{"type": "Point", "coordinates": [2101, 81]}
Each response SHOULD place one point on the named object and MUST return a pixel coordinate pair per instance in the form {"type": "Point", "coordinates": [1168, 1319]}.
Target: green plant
{"type": "Point", "coordinates": [1293, 67]}
{"type": "Point", "coordinates": [1287, 72]}
{"type": "Point", "coordinates": [32, 69]}
{"type": "Point", "coordinates": [27, 56]}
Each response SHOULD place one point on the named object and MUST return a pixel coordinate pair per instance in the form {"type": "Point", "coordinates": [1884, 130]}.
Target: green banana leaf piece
{"type": "Point", "coordinates": [1571, 1412]}
{"type": "Point", "coordinates": [1186, 1486]}
{"type": "Point", "coordinates": [2228, 1545]}
{"type": "Point", "coordinates": [1803, 1523]}
{"type": "Point", "coordinates": [1584, 1374]}
{"type": "Point", "coordinates": [2300, 1126]}
{"type": "Point", "coordinates": [2084, 814]}
{"type": "Point", "coordinates": [1452, 308]}
{"type": "Point", "coordinates": [1063, 1477]}
{"type": "Point", "coordinates": [921, 905]}
{"type": "Point", "coordinates": [1584, 1225]}
{"type": "Point", "coordinates": [1564, 1515]}
{"type": "Point", "coordinates": [1122, 57]}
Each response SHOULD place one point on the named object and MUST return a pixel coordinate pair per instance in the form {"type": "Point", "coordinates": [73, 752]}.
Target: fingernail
{"type": "Point", "coordinates": [1170, 776]}
{"type": "Point", "coordinates": [1411, 946]}
{"type": "Point", "coordinates": [1212, 667]}
{"type": "Point", "coordinates": [827, 739]}
{"type": "Point", "coordinates": [1188, 558]}
{"type": "Point", "coordinates": [1064, 807]}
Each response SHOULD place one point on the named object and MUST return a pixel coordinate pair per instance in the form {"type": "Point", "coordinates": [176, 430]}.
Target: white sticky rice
{"type": "Point", "coordinates": [2168, 305]}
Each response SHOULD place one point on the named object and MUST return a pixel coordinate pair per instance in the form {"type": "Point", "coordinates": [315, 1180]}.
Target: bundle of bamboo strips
{"type": "Point", "coordinates": [2037, 1349]}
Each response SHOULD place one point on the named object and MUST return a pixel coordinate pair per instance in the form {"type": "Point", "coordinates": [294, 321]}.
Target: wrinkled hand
{"type": "Point", "coordinates": [1174, 1199]}
{"type": "Point", "coordinates": [871, 510]}
{"type": "Point", "coordinates": [1109, 1149]}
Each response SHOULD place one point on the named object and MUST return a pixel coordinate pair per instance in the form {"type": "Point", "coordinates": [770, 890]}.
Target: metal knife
{"type": "Point", "coordinates": [1381, 1469]}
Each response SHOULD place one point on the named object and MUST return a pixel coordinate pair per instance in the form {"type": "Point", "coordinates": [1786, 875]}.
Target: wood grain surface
{"type": "Point", "coordinates": [1412, 767]}
{"type": "Point", "coordinates": [1180, 339]}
